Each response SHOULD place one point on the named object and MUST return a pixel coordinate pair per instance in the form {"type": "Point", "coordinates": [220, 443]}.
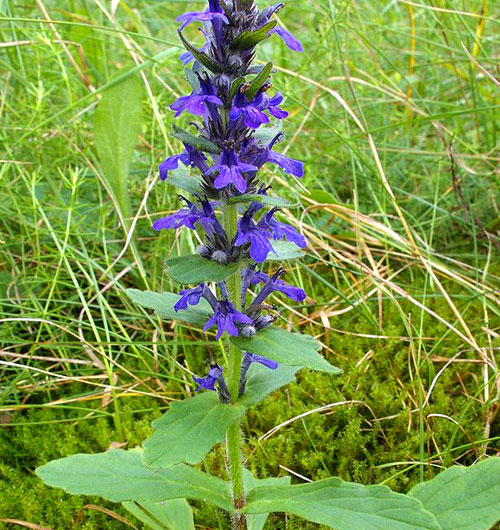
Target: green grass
{"type": "Point", "coordinates": [402, 270]}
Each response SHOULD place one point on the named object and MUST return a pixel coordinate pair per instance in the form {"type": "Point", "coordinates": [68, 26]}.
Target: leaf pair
{"type": "Point", "coordinates": [458, 499]}
{"type": "Point", "coordinates": [291, 349]}
{"type": "Point", "coordinates": [191, 427]}
{"type": "Point", "coordinates": [193, 269]}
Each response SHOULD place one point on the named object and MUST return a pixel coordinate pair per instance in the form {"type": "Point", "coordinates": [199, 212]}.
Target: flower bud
{"type": "Point", "coordinates": [248, 331]}
{"type": "Point", "coordinates": [220, 257]}
{"type": "Point", "coordinates": [204, 251]}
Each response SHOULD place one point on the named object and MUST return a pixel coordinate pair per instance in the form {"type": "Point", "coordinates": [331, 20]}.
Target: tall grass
{"type": "Point", "coordinates": [395, 108]}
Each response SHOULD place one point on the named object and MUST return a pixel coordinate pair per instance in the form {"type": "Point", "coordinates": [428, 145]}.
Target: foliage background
{"type": "Point", "coordinates": [394, 109]}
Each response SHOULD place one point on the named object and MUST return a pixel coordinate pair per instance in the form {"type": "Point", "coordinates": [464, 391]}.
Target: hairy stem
{"type": "Point", "coordinates": [234, 441]}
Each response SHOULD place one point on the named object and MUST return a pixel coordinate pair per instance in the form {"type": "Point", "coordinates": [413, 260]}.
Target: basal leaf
{"type": "Point", "coordinates": [196, 141]}
{"type": "Point", "coordinates": [175, 514]}
{"type": "Point", "coordinates": [258, 521]}
{"type": "Point", "coordinates": [163, 304]}
{"type": "Point", "coordinates": [284, 251]}
{"type": "Point", "coordinates": [262, 381]}
{"type": "Point", "coordinates": [189, 429]}
{"type": "Point", "coordinates": [117, 123]}
{"type": "Point", "coordinates": [195, 269]}
{"type": "Point", "coordinates": [343, 506]}
{"type": "Point", "coordinates": [119, 476]}
{"type": "Point", "coordinates": [463, 498]}
{"type": "Point", "coordinates": [292, 349]}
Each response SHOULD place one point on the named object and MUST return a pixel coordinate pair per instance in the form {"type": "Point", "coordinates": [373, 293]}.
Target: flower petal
{"type": "Point", "coordinates": [291, 42]}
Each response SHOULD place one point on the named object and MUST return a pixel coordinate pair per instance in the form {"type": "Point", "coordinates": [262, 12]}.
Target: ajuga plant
{"type": "Point", "coordinates": [236, 130]}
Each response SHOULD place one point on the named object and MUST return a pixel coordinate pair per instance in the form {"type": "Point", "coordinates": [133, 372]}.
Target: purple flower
{"type": "Point", "coordinates": [272, 106]}
{"type": "Point", "coordinates": [190, 297]}
{"type": "Point", "coordinates": [187, 216]}
{"type": "Point", "coordinates": [225, 316]}
{"type": "Point", "coordinates": [291, 42]}
{"type": "Point", "coordinates": [201, 16]}
{"type": "Point", "coordinates": [273, 284]}
{"type": "Point", "coordinates": [189, 157]}
{"type": "Point", "coordinates": [251, 111]}
{"type": "Point", "coordinates": [208, 382]}
{"type": "Point", "coordinates": [186, 58]}
{"type": "Point", "coordinates": [255, 235]}
{"type": "Point", "coordinates": [195, 104]}
{"type": "Point", "coordinates": [254, 358]}
{"type": "Point", "coordinates": [230, 171]}
{"type": "Point", "coordinates": [169, 164]}
{"type": "Point", "coordinates": [281, 230]}
{"type": "Point", "coordinates": [248, 359]}
{"type": "Point", "coordinates": [288, 165]}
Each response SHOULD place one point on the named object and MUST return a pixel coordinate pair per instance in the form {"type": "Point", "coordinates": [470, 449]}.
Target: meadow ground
{"type": "Point", "coordinates": [395, 111]}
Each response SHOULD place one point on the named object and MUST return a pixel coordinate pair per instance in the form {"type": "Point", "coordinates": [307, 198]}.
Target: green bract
{"type": "Point", "coordinates": [292, 349]}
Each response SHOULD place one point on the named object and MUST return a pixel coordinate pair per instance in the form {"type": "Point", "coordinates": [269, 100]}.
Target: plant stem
{"type": "Point", "coordinates": [233, 381]}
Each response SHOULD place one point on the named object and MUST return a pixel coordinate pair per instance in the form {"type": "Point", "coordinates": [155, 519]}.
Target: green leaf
{"type": "Point", "coordinates": [262, 381]}
{"type": "Point", "coordinates": [163, 304]}
{"type": "Point", "coordinates": [343, 506]}
{"type": "Point", "coordinates": [292, 349]}
{"type": "Point", "coordinates": [463, 498]}
{"type": "Point", "coordinates": [258, 521]}
{"type": "Point", "coordinates": [249, 39]}
{"type": "Point", "coordinates": [196, 141]}
{"type": "Point", "coordinates": [192, 79]}
{"type": "Point", "coordinates": [189, 429]}
{"type": "Point", "coordinates": [119, 476]}
{"type": "Point", "coordinates": [195, 269]}
{"type": "Point", "coordinates": [284, 251]}
{"type": "Point", "coordinates": [175, 514]}
{"type": "Point", "coordinates": [200, 56]}
{"type": "Point", "coordinates": [117, 123]}
{"type": "Point", "coordinates": [181, 178]}
{"type": "Point", "coordinates": [264, 199]}
{"type": "Point", "coordinates": [253, 87]}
